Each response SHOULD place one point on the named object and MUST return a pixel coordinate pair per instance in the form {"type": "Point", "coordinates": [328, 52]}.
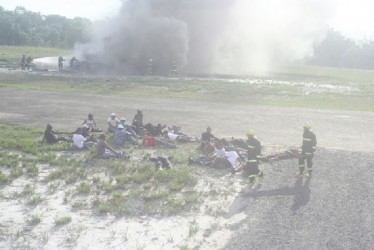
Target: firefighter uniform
{"type": "Point", "coordinates": [307, 149]}
{"type": "Point", "coordinates": [251, 168]}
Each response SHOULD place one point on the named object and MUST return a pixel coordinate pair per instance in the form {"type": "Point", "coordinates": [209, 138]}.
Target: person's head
{"type": "Point", "coordinates": [102, 137]}
{"type": "Point", "coordinates": [139, 111]}
{"type": "Point", "coordinates": [122, 120]}
{"type": "Point", "coordinates": [78, 131]}
{"type": "Point", "coordinates": [113, 116]}
{"type": "Point", "coordinates": [208, 129]}
{"type": "Point", "coordinates": [90, 116]}
{"type": "Point", "coordinates": [307, 126]}
{"type": "Point", "coordinates": [49, 127]}
{"type": "Point", "coordinates": [218, 145]}
{"type": "Point", "coordinates": [250, 133]}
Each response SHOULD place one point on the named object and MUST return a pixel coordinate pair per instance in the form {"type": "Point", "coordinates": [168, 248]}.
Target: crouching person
{"type": "Point", "coordinates": [104, 151]}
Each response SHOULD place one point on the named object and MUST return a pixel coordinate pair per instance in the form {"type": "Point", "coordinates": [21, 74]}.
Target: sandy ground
{"type": "Point", "coordinates": [331, 210]}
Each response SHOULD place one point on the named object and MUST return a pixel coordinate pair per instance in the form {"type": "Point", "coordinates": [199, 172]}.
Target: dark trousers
{"type": "Point", "coordinates": [309, 162]}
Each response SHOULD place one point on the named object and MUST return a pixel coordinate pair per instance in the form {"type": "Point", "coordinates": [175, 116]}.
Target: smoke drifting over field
{"type": "Point", "coordinates": [209, 36]}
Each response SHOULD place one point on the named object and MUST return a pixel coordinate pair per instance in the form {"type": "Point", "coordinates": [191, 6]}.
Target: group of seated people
{"type": "Point", "coordinates": [212, 149]}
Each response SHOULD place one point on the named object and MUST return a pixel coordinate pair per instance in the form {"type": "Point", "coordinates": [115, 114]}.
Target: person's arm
{"type": "Point", "coordinates": [84, 122]}
{"type": "Point", "coordinates": [110, 148]}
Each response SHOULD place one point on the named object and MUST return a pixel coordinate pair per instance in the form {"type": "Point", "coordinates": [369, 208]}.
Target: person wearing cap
{"type": "Point", "coordinates": [113, 122]}
{"type": "Point", "coordinates": [251, 168]}
{"type": "Point", "coordinates": [121, 135]}
{"type": "Point", "coordinates": [307, 149]}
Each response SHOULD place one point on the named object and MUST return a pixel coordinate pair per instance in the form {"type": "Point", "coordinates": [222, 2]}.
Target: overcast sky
{"type": "Point", "coordinates": [355, 19]}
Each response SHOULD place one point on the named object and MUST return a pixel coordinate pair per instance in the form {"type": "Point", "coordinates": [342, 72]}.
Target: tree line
{"type": "Point", "coordinates": [338, 51]}
{"type": "Point", "coordinates": [26, 28]}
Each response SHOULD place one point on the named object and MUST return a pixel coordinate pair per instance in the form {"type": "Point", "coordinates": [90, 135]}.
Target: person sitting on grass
{"type": "Point", "coordinates": [90, 122]}
{"type": "Point", "coordinates": [121, 136]}
{"type": "Point", "coordinates": [79, 141]}
{"type": "Point", "coordinates": [113, 122]}
{"type": "Point", "coordinates": [50, 136]}
{"type": "Point", "coordinates": [104, 151]}
{"type": "Point", "coordinates": [207, 138]}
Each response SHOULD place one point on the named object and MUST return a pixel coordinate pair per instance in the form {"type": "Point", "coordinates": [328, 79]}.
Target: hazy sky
{"type": "Point", "coordinates": [353, 18]}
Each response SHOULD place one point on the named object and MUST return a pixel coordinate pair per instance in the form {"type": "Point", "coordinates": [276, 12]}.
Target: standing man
{"type": "Point", "coordinates": [60, 63]}
{"type": "Point", "coordinates": [251, 168]}
{"type": "Point", "coordinates": [307, 149]}
{"type": "Point", "coordinates": [23, 62]}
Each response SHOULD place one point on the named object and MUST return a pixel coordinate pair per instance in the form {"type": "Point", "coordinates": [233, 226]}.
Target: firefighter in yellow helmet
{"type": "Point", "coordinates": [251, 168]}
{"type": "Point", "coordinates": [307, 149]}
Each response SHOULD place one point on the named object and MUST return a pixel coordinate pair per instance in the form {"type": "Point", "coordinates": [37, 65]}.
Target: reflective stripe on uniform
{"type": "Point", "coordinates": [251, 146]}
{"type": "Point", "coordinates": [307, 139]}
{"type": "Point", "coordinates": [252, 176]}
{"type": "Point", "coordinates": [259, 156]}
{"type": "Point", "coordinates": [306, 153]}
{"type": "Point", "coordinates": [251, 161]}
{"type": "Point", "coordinates": [301, 166]}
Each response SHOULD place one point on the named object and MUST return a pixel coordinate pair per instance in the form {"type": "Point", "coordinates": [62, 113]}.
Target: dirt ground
{"type": "Point", "coordinates": [274, 125]}
{"type": "Point", "coordinates": [331, 210]}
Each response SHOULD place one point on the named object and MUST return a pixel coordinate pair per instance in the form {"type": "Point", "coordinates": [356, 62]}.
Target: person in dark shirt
{"type": "Point", "coordinates": [206, 140]}
{"type": "Point", "coordinates": [307, 149]}
{"type": "Point", "coordinates": [251, 168]}
{"type": "Point", "coordinates": [50, 136]}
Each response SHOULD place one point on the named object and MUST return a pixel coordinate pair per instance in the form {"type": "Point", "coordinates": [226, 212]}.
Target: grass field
{"type": "Point", "coordinates": [13, 54]}
{"type": "Point", "coordinates": [294, 86]}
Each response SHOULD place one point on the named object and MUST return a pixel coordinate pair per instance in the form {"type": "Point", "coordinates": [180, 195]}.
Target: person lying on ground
{"type": "Point", "coordinates": [90, 122]}
{"type": "Point", "coordinates": [113, 122]}
{"type": "Point", "coordinates": [50, 136]}
{"type": "Point", "coordinates": [221, 158]}
{"type": "Point", "coordinates": [104, 151]}
{"type": "Point", "coordinates": [173, 136]}
{"type": "Point", "coordinates": [79, 141]}
{"type": "Point", "coordinates": [121, 136]}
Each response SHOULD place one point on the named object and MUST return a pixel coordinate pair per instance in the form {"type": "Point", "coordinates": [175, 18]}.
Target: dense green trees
{"type": "Point", "coordinates": [22, 27]}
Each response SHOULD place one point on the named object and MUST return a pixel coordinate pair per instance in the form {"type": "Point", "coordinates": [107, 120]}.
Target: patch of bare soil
{"type": "Point", "coordinates": [333, 209]}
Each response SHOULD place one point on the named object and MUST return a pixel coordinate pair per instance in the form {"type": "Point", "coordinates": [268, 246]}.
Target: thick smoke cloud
{"type": "Point", "coordinates": [208, 36]}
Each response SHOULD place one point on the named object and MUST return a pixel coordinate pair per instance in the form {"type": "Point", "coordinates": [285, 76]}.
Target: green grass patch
{"type": "Point", "coordinates": [299, 86]}
{"type": "Point", "coordinates": [14, 53]}
{"type": "Point", "coordinates": [62, 220]}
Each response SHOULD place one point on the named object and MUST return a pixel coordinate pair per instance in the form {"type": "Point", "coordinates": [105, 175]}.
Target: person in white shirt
{"type": "Point", "coordinates": [79, 141]}
{"type": "Point", "coordinates": [113, 122]}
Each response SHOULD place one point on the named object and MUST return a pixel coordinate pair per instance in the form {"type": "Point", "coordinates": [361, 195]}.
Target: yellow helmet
{"type": "Point", "coordinates": [250, 132]}
{"type": "Point", "coordinates": [307, 125]}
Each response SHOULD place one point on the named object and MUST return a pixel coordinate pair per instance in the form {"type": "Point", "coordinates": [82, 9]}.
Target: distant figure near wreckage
{"type": "Point", "coordinates": [150, 66]}
{"type": "Point", "coordinates": [60, 63]}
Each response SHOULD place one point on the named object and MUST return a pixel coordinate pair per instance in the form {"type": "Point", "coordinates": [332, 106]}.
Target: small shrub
{"type": "Point", "coordinates": [34, 220]}
{"type": "Point", "coordinates": [84, 188]}
{"type": "Point", "coordinates": [3, 178]}
{"type": "Point", "coordinates": [35, 200]}
{"type": "Point", "coordinates": [62, 220]}
{"type": "Point", "coordinates": [16, 172]}
{"type": "Point", "coordinates": [32, 169]}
